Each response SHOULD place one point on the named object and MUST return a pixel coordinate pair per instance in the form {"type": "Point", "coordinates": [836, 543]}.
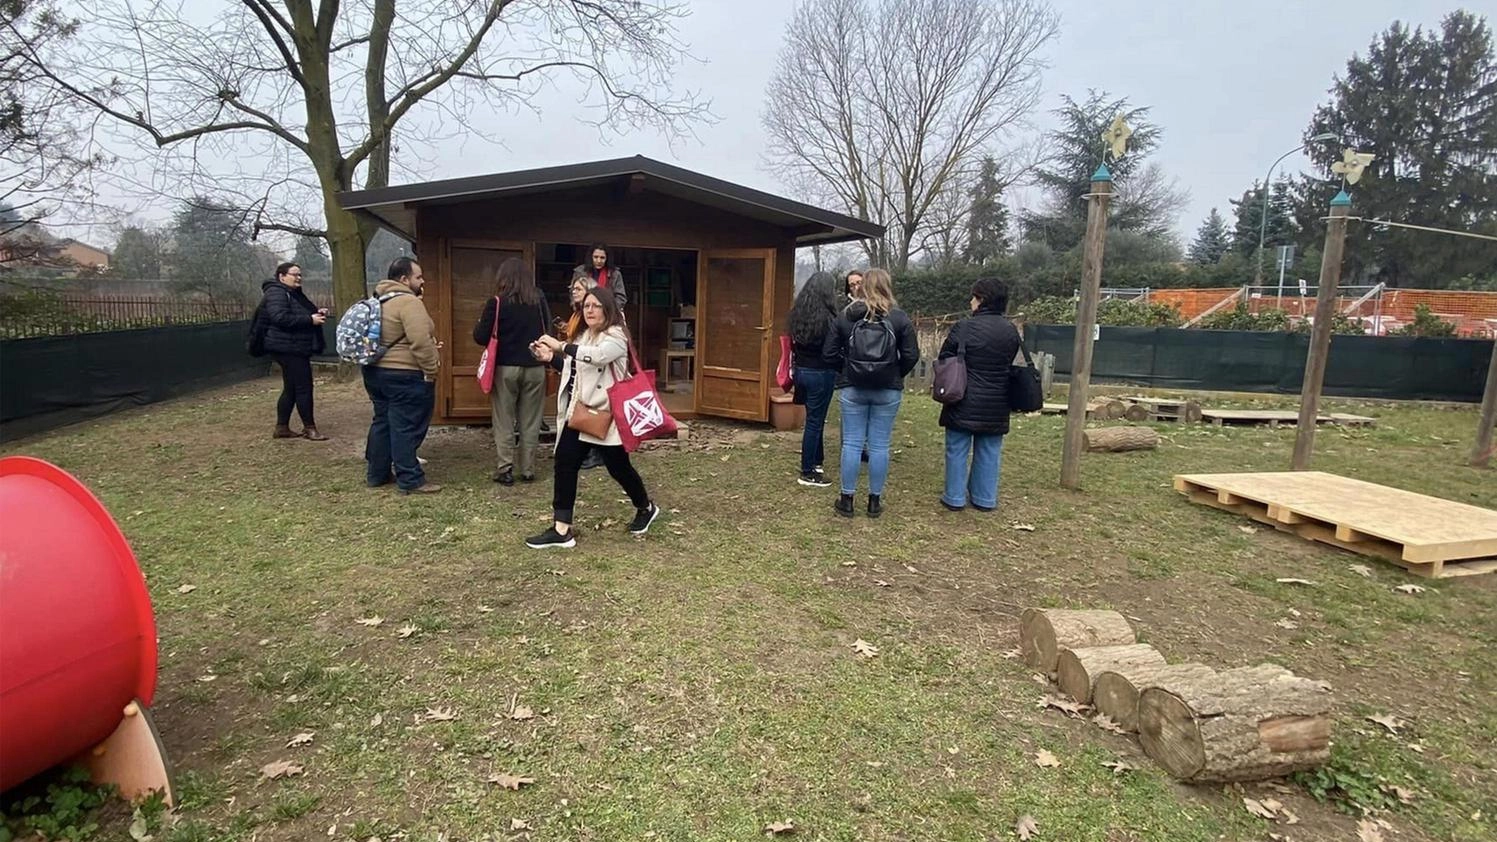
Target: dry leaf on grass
{"type": "Point", "coordinates": [1292, 581]}
{"type": "Point", "coordinates": [1023, 527]}
{"type": "Point", "coordinates": [440, 714]}
{"type": "Point", "coordinates": [881, 583]}
{"type": "Point", "coordinates": [371, 622]}
{"type": "Point", "coordinates": [280, 769]}
{"type": "Point", "coordinates": [509, 781]}
{"type": "Point", "coordinates": [519, 824]}
{"type": "Point", "coordinates": [521, 713]}
{"type": "Point", "coordinates": [849, 564]}
{"type": "Point", "coordinates": [1257, 808]}
{"type": "Point", "coordinates": [406, 631]}
{"type": "Point", "coordinates": [1106, 723]}
{"type": "Point", "coordinates": [780, 828]}
{"type": "Point", "coordinates": [1286, 624]}
{"type": "Point", "coordinates": [911, 568]}
{"type": "Point", "coordinates": [1045, 760]}
{"type": "Point", "coordinates": [1415, 747]}
{"type": "Point", "coordinates": [302, 739]}
{"type": "Point", "coordinates": [1369, 831]}
{"type": "Point", "coordinates": [140, 830]}
{"type": "Point", "coordinates": [1404, 795]}
{"type": "Point", "coordinates": [1410, 589]}
{"type": "Point", "coordinates": [1361, 570]}
{"type": "Point", "coordinates": [1011, 654]}
{"type": "Point", "coordinates": [864, 648]}
{"type": "Point", "coordinates": [1067, 706]}
{"type": "Point", "coordinates": [187, 588]}
{"type": "Point", "coordinates": [207, 678]}
{"type": "Point", "coordinates": [1248, 530]}
{"type": "Point", "coordinates": [1392, 723]}
{"type": "Point", "coordinates": [1118, 767]}
{"type": "Point", "coordinates": [378, 720]}
{"type": "Point", "coordinates": [1026, 827]}
{"type": "Point", "coordinates": [484, 609]}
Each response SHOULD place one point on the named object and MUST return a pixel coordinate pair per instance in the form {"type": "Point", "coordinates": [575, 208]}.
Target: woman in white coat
{"type": "Point", "coordinates": [590, 361]}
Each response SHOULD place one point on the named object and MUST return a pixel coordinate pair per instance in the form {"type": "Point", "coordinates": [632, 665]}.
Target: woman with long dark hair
{"type": "Point", "coordinates": [293, 335]}
{"type": "Point", "coordinates": [601, 270]}
{"type": "Point", "coordinates": [596, 359]}
{"type": "Point", "coordinates": [811, 318]}
{"type": "Point", "coordinates": [520, 381]}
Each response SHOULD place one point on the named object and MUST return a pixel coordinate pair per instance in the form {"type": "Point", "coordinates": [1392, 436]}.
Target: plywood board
{"type": "Point", "coordinates": [1275, 417]}
{"type": "Point", "coordinates": [1414, 530]}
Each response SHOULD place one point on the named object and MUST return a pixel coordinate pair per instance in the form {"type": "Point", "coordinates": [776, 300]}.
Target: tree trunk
{"type": "Point", "coordinates": [1077, 669]}
{"type": "Point", "coordinates": [1135, 412]}
{"type": "Point", "coordinates": [1115, 692]}
{"type": "Point", "coordinates": [1043, 631]}
{"type": "Point", "coordinates": [1244, 724]}
{"type": "Point", "coordinates": [1192, 412]}
{"type": "Point", "coordinates": [346, 244]}
{"type": "Point", "coordinates": [1109, 409]}
{"type": "Point", "coordinates": [1119, 439]}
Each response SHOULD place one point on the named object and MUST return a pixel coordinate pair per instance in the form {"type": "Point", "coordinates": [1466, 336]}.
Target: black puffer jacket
{"type": "Point", "coordinates": [992, 343]}
{"type": "Point", "coordinates": [519, 325]}
{"type": "Point", "coordinates": [288, 320]}
{"type": "Point", "coordinates": [907, 345]}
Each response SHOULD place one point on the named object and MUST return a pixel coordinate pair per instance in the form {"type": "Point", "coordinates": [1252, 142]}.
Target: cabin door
{"type": "Point", "coordinates": [470, 284]}
{"type": "Point", "coordinates": [734, 328]}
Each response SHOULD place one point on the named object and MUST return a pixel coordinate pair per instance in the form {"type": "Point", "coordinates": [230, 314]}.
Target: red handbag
{"type": "Point", "coordinates": [783, 375]}
{"type": "Point", "coordinates": [638, 412]}
{"type": "Point", "coordinates": [486, 362]}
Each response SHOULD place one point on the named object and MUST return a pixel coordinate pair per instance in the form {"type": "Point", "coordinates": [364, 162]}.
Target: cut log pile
{"type": "Point", "coordinates": [1201, 725]}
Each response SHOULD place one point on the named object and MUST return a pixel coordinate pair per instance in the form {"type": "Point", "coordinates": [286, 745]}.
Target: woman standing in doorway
{"type": "Point", "coordinates": [976, 424]}
{"type": "Point", "coordinates": [520, 382]}
{"type": "Point", "coordinates": [603, 273]}
{"type": "Point", "coordinates": [293, 335]}
{"type": "Point", "coordinates": [811, 319]}
{"type": "Point", "coordinates": [875, 345]}
{"type": "Point", "coordinates": [589, 365]}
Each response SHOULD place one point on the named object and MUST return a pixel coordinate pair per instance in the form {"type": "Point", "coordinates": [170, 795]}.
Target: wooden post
{"type": "Point", "coordinates": [1086, 321]}
{"type": "Point", "coordinates": [1481, 453]}
{"type": "Point", "coordinates": [1320, 336]}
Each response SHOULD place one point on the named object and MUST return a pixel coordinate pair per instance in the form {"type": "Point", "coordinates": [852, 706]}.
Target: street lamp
{"type": "Point", "coordinates": [1263, 220]}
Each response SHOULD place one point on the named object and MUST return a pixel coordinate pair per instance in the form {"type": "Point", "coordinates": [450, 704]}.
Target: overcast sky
{"type": "Point", "coordinates": [1232, 85]}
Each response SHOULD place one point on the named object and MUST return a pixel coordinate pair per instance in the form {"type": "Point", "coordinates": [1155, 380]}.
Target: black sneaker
{"type": "Point", "coordinates": [875, 505]}
{"type": "Point", "coordinates": [844, 505]}
{"type": "Point", "coordinates": [551, 538]}
{"type": "Point", "coordinates": [505, 477]}
{"type": "Point", "coordinates": [643, 518]}
{"type": "Point", "coordinates": [815, 479]}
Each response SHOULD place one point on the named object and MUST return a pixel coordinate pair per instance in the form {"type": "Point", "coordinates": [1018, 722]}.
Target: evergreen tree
{"type": "Point", "coordinates": [310, 256]}
{"type": "Point", "coordinates": [137, 255]}
{"type": "Point", "coordinates": [987, 218]}
{"type": "Point", "coordinates": [1282, 229]}
{"type": "Point", "coordinates": [1211, 240]}
{"type": "Point", "coordinates": [211, 251]}
{"type": "Point", "coordinates": [1423, 103]}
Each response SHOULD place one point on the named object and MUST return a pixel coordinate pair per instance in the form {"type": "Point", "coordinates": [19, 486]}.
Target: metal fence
{"type": "Point", "coordinates": [33, 313]}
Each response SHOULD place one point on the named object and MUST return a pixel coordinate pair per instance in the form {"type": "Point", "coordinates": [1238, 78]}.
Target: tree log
{"type": "Point", "coordinates": [1192, 412]}
{"type": "Point", "coordinates": [1119, 439]}
{"type": "Point", "coordinates": [1136, 412]}
{"type": "Point", "coordinates": [1244, 724]}
{"type": "Point", "coordinates": [1043, 631]}
{"type": "Point", "coordinates": [1115, 692]}
{"type": "Point", "coordinates": [1077, 669]}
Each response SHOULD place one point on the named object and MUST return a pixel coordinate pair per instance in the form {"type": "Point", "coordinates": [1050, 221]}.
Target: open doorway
{"type": "Point", "coordinates": [662, 309]}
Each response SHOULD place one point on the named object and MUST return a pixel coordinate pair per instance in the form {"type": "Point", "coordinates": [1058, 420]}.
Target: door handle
{"type": "Point", "coordinates": [763, 327]}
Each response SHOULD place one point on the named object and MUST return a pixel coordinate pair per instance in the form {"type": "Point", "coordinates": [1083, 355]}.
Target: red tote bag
{"type": "Point", "coordinates": [638, 413]}
{"type": "Point", "coordinates": [486, 363]}
{"type": "Point", "coordinates": [783, 376]}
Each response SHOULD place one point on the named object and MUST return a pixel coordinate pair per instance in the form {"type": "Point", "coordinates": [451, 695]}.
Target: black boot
{"type": "Point", "coordinates": [844, 505]}
{"type": "Point", "coordinates": [875, 505]}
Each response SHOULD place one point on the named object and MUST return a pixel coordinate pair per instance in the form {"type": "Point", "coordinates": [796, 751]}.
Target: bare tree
{"type": "Point", "coordinates": [288, 98]}
{"type": "Point", "coordinates": [883, 104]}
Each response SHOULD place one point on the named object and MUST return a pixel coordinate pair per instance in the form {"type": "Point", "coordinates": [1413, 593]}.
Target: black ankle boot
{"type": "Point", "coordinates": [844, 505]}
{"type": "Point", "coordinates": [875, 505]}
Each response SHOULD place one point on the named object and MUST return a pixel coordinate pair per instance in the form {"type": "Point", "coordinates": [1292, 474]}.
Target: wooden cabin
{"type": "Point", "coordinates": [709, 266]}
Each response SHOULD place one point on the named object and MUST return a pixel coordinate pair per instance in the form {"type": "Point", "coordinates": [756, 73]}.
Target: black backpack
{"type": "Point", "coordinates": [871, 350]}
{"type": "Point", "coordinates": [254, 340]}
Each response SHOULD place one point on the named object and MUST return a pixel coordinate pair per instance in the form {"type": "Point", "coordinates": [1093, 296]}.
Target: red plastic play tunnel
{"type": "Point", "coordinates": [77, 635]}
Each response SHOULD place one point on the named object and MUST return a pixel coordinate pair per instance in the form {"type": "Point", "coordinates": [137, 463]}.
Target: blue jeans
{"type": "Point", "coordinates": [979, 483]}
{"type": "Point", "coordinates": [818, 385]}
{"type": "Point", "coordinates": [403, 402]}
{"type": "Point", "coordinates": [867, 420]}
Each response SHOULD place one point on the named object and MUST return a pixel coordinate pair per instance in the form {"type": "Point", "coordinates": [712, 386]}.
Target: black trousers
{"type": "Point", "coordinates": [570, 450]}
{"type": "Point", "coordinates": [296, 389]}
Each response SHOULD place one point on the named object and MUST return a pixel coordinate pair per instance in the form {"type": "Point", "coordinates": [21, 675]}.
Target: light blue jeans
{"type": "Point", "coordinates": [867, 420]}
{"type": "Point", "coordinates": [979, 483]}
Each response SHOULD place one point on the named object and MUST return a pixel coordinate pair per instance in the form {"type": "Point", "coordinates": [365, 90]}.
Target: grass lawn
{"type": "Point", "coordinates": [700, 683]}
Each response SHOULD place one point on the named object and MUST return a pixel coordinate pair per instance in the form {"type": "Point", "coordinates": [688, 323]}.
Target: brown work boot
{"type": "Point", "coordinates": [311, 434]}
{"type": "Point", "coordinates": [283, 431]}
{"type": "Point", "coordinates": [425, 488]}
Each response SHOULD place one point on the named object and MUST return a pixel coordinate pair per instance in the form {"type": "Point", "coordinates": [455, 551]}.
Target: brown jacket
{"type": "Point", "coordinates": [404, 318]}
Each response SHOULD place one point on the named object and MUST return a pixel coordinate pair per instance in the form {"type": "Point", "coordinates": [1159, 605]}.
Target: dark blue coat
{"type": "Point", "coordinates": [288, 320]}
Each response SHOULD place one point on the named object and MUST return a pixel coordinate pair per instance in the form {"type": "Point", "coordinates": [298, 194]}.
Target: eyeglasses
{"type": "Point", "coordinates": [592, 306]}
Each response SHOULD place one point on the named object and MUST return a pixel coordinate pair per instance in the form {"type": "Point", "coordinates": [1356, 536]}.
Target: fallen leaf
{"type": "Point", "coordinates": [378, 720]}
{"type": "Point", "coordinates": [519, 824]}
{"type": "Point", "coordinates": [1404, 795]}
{"type": "Point", "coordinates": [140, 830]}
{"type": "Point", "coordinates": [302, 739]}
{"type": "Point", "coordinates": [1067, 706]}
{"type": "Point", "coordinates": [1392, 723]}
{"type": "Point", "coordinates": [521, 713]}
{"type": "Point", "coordinates": [406, 631]}
{"type": "Point", "coordinates": [864, 648]}
{"type": "Point", "coordinates": [1247, 530]}
{"type": "Point", "coordinates": [849, 564]}
{"type": "Point", "coordinates": [1410, 589]}
{"type": "Point", "coordinates": [484, 609]}
{"type": "Point", "coordinates": [1023, 527]}
{"type": "Point", "coordinates": [779, 828]}
{"type": "Point", "coordinates": [207, 678]}
{"type": "Point", "coordinates": [1296, 582]}
{"type": "Point", "coordinates": [1287, 624]}
{"type": "Point", "coordinates": [1045, 760]}
{"type": "Point", "coordinates": [1106, 723]}
{"type": "Point", "coordinates": [187, 589]}
{"type": "Point", "coordinates": [280, 769]}
{"type": "Point", "coordinates": [371, 622]}
{"type": "Point", "coordinates": [1011, 654]}
{"type": "Point", "coordinates": [881, 583]}
{"type": "Point", "coordinates": [1361, 570]}
{"type": "Point", "coordinates": [1257, 808]}
{"type": "Point", "coordinates": [911, 568]}
{"type": "Point", "coordinates": [1288, 817]}
{"type": "Point", "coordinates": [440, 714]}
{"type": "Point", "coordinates": [1118, 767]}
{"type": "Point", "coordinates": [509, 781]}
{"type": "Point", "coordinates": [1368, 831]}
{"type": "Point", "coordinates": [1416, 747]}
{"type": "Point", "coordinates": [1026, 827]}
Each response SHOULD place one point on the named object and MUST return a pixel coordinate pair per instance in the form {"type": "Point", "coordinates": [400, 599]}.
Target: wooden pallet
{"type": "Point", "coordinates": [1160, 409]}
{"type": "Point", "coordinates": [1275, 418]}
{"type": "Point", "coordinates": [1427, 536]}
